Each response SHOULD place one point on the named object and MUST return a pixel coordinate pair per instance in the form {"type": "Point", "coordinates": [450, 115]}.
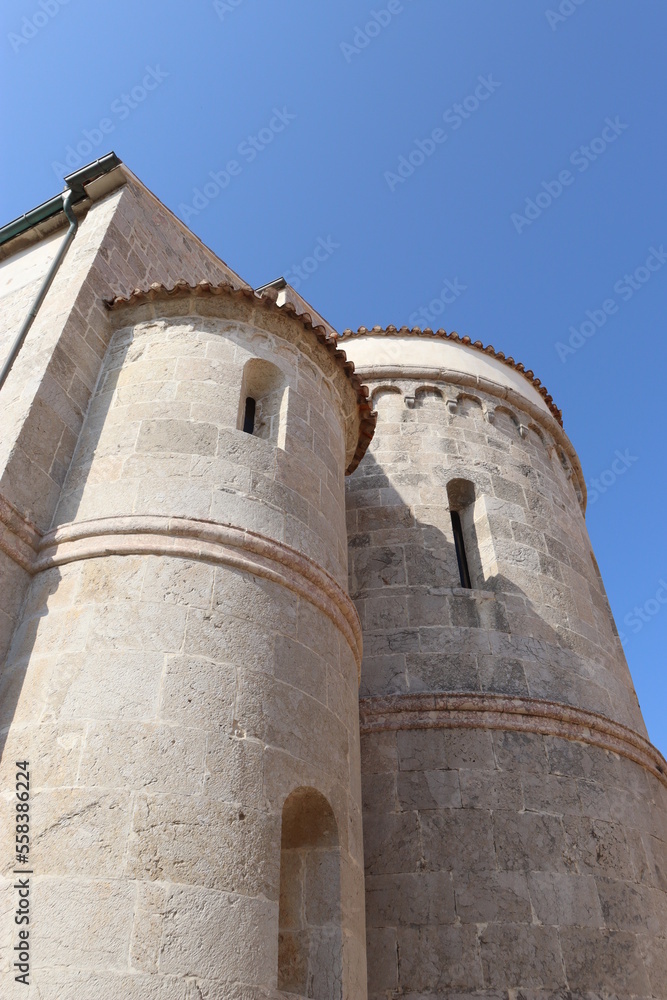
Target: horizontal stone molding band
{"type": "Point", "coordinates": [380, 373]}
{"type": "Point", "coordinates": [205, 541]}
{"type": "Point", "coordinates": [19, 539]}
{"type": "Point", "coordinates": [526, 715]}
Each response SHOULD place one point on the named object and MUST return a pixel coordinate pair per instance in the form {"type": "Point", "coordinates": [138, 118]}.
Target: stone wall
{"type": "Point", "coordinates": [187, 660]}
{"type": "Point", "coordinates": [515, 815]}
{"type": "Point", "coordinates": [125, 238]}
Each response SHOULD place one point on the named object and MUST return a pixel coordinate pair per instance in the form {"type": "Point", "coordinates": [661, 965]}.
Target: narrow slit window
{"type": "Point", "coordinates": [249, 415]}
{"type": "Point", "coordinates": [461, 558]}
{"type": "Point", "coordinates": [263, 401]}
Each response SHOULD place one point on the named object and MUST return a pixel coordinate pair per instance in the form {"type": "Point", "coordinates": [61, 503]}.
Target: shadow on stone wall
{"type": "Point", "coordinates": [42, 590]}
{"type": "Point", "coordinates": [424, 632]}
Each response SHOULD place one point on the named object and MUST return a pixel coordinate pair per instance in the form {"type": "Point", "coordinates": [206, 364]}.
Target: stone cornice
{"type": "Point", "coordinates": [206, 541]}
{"type": "Point", "coordinates": [495, 711]}
{"type": "Point", "coordinates": [477, 345]}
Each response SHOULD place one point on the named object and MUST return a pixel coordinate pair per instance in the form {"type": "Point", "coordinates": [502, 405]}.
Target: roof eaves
{"type": "Point", "coordinates": [268, 300]}
{"type": "Point", "coordinates": [75, 182]}
{"type": "Point", "coordinates": [477, 345]}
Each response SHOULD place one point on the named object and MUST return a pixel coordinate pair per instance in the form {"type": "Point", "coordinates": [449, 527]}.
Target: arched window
{"type": "Point", "coordinates": [263, 400]}
{"type": "Point", "coordinates": [461, 497]}
{"type": "Point", "coordinates": [309, 924]}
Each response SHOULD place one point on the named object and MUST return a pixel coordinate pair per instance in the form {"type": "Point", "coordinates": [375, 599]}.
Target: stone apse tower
{"type": "Point", "coordinates": [182, 656]}
{"type": "Point", "coordinates": [515, 814]}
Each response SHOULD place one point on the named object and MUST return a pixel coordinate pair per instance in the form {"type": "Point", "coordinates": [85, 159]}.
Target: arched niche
{"type": "Point", "coordinates": [263, 402]}
{"type": "Point", "coordinates": [309, 924]}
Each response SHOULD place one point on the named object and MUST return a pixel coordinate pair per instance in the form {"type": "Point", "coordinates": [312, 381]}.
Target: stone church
{"type": "Point", "coordinates": [305, 648]}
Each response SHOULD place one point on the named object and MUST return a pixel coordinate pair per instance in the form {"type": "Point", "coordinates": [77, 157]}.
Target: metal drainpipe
{"type": "Point", "coordinates": [46, 284]}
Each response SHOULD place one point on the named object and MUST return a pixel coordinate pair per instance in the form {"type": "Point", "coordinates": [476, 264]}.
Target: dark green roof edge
{"type": "Point", "coordinates": [75, 182]}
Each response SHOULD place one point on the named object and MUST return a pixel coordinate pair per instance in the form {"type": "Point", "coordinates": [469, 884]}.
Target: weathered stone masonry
{"type": "Point", "coordinates": [515, 815]}
{"type": "Point", "coordinates": [182, 656]}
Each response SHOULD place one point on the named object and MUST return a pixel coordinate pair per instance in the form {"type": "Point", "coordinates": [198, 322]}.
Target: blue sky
{"type": "Point", "coordinates": [318, 113]}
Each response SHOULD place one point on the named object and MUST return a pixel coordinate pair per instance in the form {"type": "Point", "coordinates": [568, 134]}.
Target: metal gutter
{"type": "Point", "coordinates": [75, 187]}
{"type": "Point", "coordinates": [74, 192]}
{"type": "Point", "coordinates": [277, 283]}
{"type": "Point", "coordinates": [44, 287]}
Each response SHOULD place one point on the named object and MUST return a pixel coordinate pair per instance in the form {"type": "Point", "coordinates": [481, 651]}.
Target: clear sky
{"type": "Point", "coordinates": [540, 198]}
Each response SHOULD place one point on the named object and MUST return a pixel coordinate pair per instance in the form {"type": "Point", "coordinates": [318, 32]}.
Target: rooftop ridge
{"type": "Point", "coordinates": [477, 345]}
{"type": "Point", "coordinates": [267, 300]}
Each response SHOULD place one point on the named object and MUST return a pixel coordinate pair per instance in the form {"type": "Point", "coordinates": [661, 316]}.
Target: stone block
{"type": "Point", "coordinates": [139, 756]}
{"type": "Point", "coordinates": [379, 753]}
{"type": "Point", "coordinates": [531, 842]}
{"type": "Point", "coordinates": [298, 665]}
{"type": "Point", "coordinates": [195, 840]}
{"type": "Point", "coordinates": [520, 751]}
{"type": "Point", "coordinates": [603, 962]}
{"type": "Point", "coordinates": [79, 832]}
{"type": "Point", "coordinates": [654, 953]}
{"type": "Point", "coordinates": [516, 956]}
{"type": "Point", "coordinates": [391, 843]}
{"type": "Point", "coordinates": [407, 899]}
{"type": "Point", "coordinates": [147, 927]}
{"type": "Point", "coordinates": [234, 769]}
{"type": "Point", "coordinates": [404, 640]}
{"type": "Point", "coordinates": [93, 916]}
{"type": "Point", "coordinates": [383, 675]}
{"type": "Point", "coordinates": [178, 581]}
{"type": "Point", "coordinates": [435, 749]}
{"type": "Point", "coordinates": [197, 692]}
{"type": "Point", "coordinates": [379, 793]}
{"type": "Point", "coordinates": [439, 958]}
{"type": "Point", "coordinates": [112, 578]}
{"type": "Point", "coordinates": [177, 436]}
{"type": "Point", "coordinates": [441, 671]}
{"type": "Point", "coordinates": [550, 793]}
{"type": "Point", "coordinates": [427, 609]}
{"type": "Point", "coordinates": [138, 626]}
{"type": "Point", "coordinates": [87, 686]}
{"type": "Point", "coordinates": [219, 936]}
{"type": "Point", "coordinates": [502, 676]}
{"type": "Point", "coordinates": [488, 897]}
{"type": "Point", "coordinates": [386, 612]}
{"type": "Point", "coordinates": [52, 750]}
{"type": "Point", "coordinates": [630, 907]}
{"type": "Point", "coordinates": [490, 789]}
{"type": "Point", "coordinates": [284, 717]}
{"type": "Point", "coordinates": [429, 789]}
{"type": "Point", "coordinates": [322, 887]}
{"type": "Point", "coordinates": [569, 900]}
{"type": "Point", "coordinates": [375, 568]}
{"type": "Point", "coordinates": [599, 847]}
{"type": "Point", "coordinates": [222, 638]}
{"type": "Point", "coordinates": [383, 957]}
{"type": "Point", "coordinates": [459, 840]}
